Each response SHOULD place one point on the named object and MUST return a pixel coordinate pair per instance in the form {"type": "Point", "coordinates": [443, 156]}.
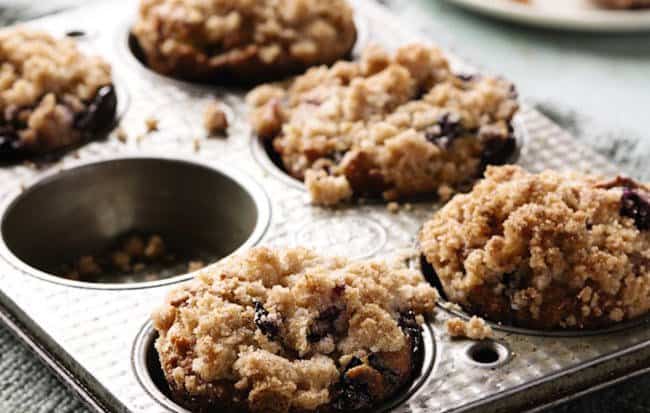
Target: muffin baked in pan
{"type": "Point", "coordinates": [544, 251]}
{"type": "Point", "coordinates": [394, 126]}
{"type": "Point", "coordinates": [51, 94]}
{"type": "Point", "coordinates": [291, 331]}
{"type": "Point", "coordinates": [242, 41]}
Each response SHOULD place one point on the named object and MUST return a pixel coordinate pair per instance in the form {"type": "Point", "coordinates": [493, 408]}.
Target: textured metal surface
{"type": "Point", "coordinates": [90, 334]}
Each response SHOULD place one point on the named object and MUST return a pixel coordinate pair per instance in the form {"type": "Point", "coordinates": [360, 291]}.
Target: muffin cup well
{"type": "Point", "coordinates": [81, 210]}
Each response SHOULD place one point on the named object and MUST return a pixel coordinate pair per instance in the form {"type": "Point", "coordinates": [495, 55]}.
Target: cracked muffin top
{"type": "Point", "coordinates": [242, 40]}
{"type": "Point", "coordinates": [394, 126]}
{"type": "Point", "coordinates": [49, 92]}
{"type": "Point", "coordinates": [545, 250]}
{"type": "Point", "coordinates": [288, 330]}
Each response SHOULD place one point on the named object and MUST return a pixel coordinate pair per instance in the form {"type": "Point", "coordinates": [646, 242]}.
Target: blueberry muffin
{"type": "Point", "coordinates": [291, 331]}
{"type": "Point", "coordinates": [51, 94]}
{"type": "Point", "coordinates": [545, 251]}
{"type": "Point", "coordinates": [624, 4]}
{"type": "Point", "coordinates": [393, 126]}
{"type": "Point", "coordinates": [242, 41]}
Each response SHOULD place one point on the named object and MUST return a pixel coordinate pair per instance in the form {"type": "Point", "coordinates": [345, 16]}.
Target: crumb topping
{"type": "Point", "coordinates": [388, 125]}
{"type": "Point", "coordinates": [47, 90]}
{"type": "Point", "coordinates": [545, 250]}
{"type": "Point", "coordinates": [197, 37]}
{"type": "Point", "coordinates": [290, 328]}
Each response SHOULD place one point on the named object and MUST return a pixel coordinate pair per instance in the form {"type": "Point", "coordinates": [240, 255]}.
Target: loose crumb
{"type": "Point", "coordinates": [138, 255]}
{"type": "Point", "coordinates": [152, 124]}
{"type": "Point", "coordinates": [215, 120]}
{"type": "Point", "coordinates": [474, 329]}
{"type": "Point", "coordinates": [121, 135]}
{"type": "Point", "coordinates": [392, 207]}
{"type": "Point", "coordinates": [195, 266]}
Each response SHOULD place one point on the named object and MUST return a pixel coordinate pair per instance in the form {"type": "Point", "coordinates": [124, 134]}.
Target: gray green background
{"type": "Point", "coordinates": [595, 85]}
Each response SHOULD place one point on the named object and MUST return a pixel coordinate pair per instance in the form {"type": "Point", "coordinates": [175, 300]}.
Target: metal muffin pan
{"type": "Point", "coordinates": [92, 335]}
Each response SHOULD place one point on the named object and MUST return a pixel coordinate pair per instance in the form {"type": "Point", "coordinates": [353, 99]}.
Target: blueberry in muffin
{"type": "Point", "coordinates": [242, 41]}
{"type": "Point", "coordinates": [51, 95]}
{"type": "Point", "coordinates": [291, 331]}
{"type": "Point", "coordinates": [389, 126]}
{"type": "Point", "coordinates": [546, 251]}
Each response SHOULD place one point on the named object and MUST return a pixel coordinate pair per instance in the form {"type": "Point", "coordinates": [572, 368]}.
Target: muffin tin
{"type": "Point", "coordinates": [226, 194]}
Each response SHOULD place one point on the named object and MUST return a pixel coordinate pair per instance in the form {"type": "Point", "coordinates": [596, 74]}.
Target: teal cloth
{"type": "Point", "coordinates": [596, 86]}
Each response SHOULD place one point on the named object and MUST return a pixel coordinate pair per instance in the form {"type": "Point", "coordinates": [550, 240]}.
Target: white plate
{"type": "Point", "coordinates": [562, 14]}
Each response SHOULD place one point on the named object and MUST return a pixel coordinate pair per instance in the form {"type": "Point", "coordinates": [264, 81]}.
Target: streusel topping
{"type": "Point", "coordinates": [196, 36]}
{"type": "Point", "coordinates": [393, 125]}
{"type": "Point", "coordinates": [45, 84]}
{"type": "Point", "coordinates": [283, 326]}
{"type": "Point", "coordinates": [547, 250]}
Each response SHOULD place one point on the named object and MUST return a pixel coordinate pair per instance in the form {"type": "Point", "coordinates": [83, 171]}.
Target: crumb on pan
{"type": "Point", "coordinates": [151, 123]}
{"type": "Point", "coordinates": [325, 189]}
{"type": "Point", "coordinates": [474, 329]}
{"type": "Point", "coordinates": [392, 207]}
{"type": "Point", "coordinates": [193, 266]}
{"type": "Point", "coordinates": [215, 120]}
{"type": "Point", "coordinates": [121, 135]}
{"type": "Point", "coordinates": [129, 255]}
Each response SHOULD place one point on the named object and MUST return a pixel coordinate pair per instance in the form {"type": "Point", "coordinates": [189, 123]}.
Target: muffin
{"type": "Point", "coordinates": [51, 94]}
{"type": "Point", "coordinates": [624, 4]}
{"type": "Point", "coordinates": [546, 251]}
{"type": "Point", "coordinates": [291, 331]}
{"type": "Point", "coordinates": [389, 126]}
{"type": "Point", "coordinates": [242, 41]}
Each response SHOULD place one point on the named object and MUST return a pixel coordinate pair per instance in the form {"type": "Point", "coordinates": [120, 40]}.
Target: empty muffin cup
{"type": "Point", "coordinates": [186, 214]}
{"type": "Point", "coordinates": [149, 373]}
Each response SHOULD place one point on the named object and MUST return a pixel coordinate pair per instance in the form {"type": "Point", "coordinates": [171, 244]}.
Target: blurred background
{"type": "Point", "coordinates": [595, 85]}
